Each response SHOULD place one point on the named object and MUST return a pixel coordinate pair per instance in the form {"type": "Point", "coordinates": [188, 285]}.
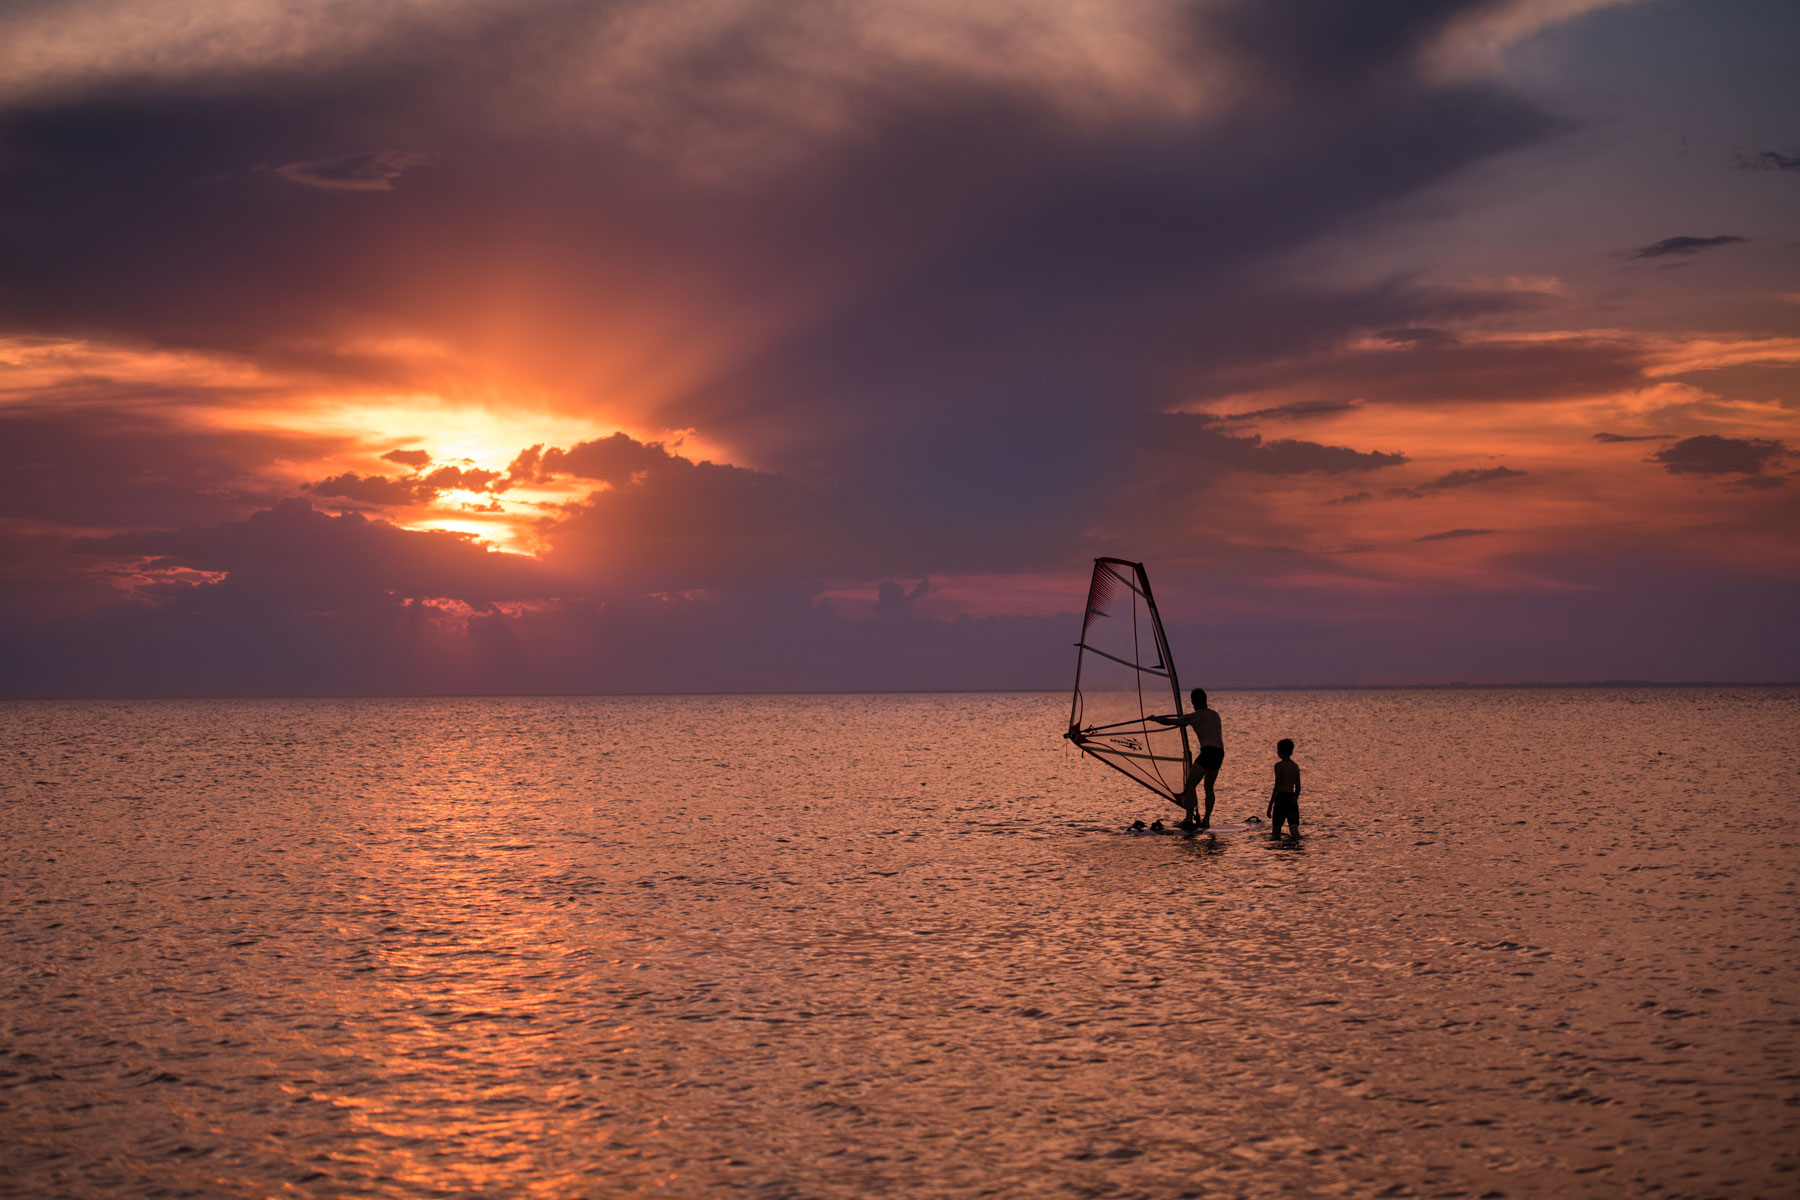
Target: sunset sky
{"type": "Point", "coordinates": [690, 345]}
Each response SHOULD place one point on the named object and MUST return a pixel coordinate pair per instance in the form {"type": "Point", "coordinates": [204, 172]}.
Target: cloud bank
{"type": "Point", "coordinates": [676, 346]}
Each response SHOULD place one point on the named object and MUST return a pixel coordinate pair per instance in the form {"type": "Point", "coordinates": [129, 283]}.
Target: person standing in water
{"type": "Point", "coordinates": [1205, 771]}
{"type": "Point", "coordinates": [1284, 801]}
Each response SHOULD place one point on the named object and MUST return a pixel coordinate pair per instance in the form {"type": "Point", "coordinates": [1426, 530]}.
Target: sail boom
{"type": "Point", "coordinates": [1122, 662]}
{"type": "Point", "coordinates": [1102, 730]}
{"type": "Point", "coordinates": [1102, 751]}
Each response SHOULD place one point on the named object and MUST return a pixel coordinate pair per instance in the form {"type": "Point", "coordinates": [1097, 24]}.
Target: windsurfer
{"type": "Point", "coordinates": [1205, 770]}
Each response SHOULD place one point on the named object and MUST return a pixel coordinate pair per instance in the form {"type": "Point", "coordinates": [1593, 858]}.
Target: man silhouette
{"type": "Point", "coordinates": [1205, 771]}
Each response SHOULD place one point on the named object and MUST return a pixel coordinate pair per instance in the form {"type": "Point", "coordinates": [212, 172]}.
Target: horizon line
{"type": "Point", "coordinates": [1451, 686]}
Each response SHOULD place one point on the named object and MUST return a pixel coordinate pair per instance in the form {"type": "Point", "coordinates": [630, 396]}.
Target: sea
{"type": "Point", "coordinates": [1529, 943]}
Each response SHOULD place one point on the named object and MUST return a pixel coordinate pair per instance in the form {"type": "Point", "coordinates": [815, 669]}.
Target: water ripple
{"type": "Point", "coordinates": [1532, 943]}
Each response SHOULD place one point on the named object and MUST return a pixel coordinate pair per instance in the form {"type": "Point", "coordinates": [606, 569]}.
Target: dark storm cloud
{"type": "Point", "coordinates": [1298, 410]}
{"type": "Point", "coordinates": [1610, 438]}
{"type": "Point", "coordinates": [291, 556]}
{"type": "Point", "coordinates": [1418, 337]}
{"type": "Point", "coordinates": [1685, 245]}
{"type": "Point", "coordinates": [1288, 456]}
{"type": "Point", "coordinates": [680, 524]}
{"type": "Point", "coordinates": [1012, 300]}
{"type": "Point", "coordinates": [373, 489]}
{"type": "Point", "coordinates": [1435, 371]}
{"type": "Point", "coordinates": [894, 600]}
{"type": "Point", "coordinates": [1450, 534]}
{"type": "Point", "coordinates": [1467, 477]}
{"type": "Point", "coordinates": [664, 522]}
{"type": "Point", "coordinates": [384, 490]}
{"type": "Point", "coordinates": [1710, 454]}
{"type": "Point", "coordinates": [93, 467]}
{"type": "Point", "coordinates": [1188, 442]}
{"type": "Point", "coordinates": [1129, 257]}
{"type": "Point", "coordinates": [468, 479]}
{"type": "Point", "coordinates": [1055, 274]}
{"type": "Point", "coordinates": [1325, 48]}
{"type": "Point", "coordinates": [1769, 160]}
{"type": "Point", "coordinates": [373, 171]}
{"type": "Point", "coordinates": [208, 231]}
{"type": "Point", "coordinates": [615, 460]}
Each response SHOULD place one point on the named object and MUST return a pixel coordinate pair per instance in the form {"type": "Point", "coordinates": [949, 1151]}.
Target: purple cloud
{"type": "Point", "coordinates": [1685, 246]}
{"type": "Point", "coordinates": [1710, 454]}
{"type": "Point", "coordinates": [291, 555]}
{"type": "Point", "coordinates": [1186, 441]}
{"type": "Point", "coordinates": [378, 490]}
{"type": "Point", "coordinates": [614, 459]}
{"type": "Point", "coordinates": [382, 490]}
{"type": "Point", "coordinates": [1296, 410]}
{"type": "Point", "coordinates": [1769, 160]}
{"type": "Point", "coordinates": [958, 370]}
{"type": "Point", "coordinates": [371, 171]}
{"type": "Point", "coordinates": [1466, 477]}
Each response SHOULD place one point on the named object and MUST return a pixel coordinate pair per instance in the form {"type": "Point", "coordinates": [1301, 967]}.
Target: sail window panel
{"type": "Point", "coordinates": [1123, 678]}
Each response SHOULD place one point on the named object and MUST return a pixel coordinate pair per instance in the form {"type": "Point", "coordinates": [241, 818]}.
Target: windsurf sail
{"type": "Point", "coordinates": [1124, 675]}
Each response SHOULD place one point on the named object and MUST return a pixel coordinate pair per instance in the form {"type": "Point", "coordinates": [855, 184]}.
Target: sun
{"type": "Point", "coordinates": [426, 462]}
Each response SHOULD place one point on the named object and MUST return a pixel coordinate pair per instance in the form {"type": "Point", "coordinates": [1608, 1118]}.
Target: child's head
{"type": "Point", "coordinates": [1198, 695]}
{"type": "Point", "coordinates": [1285, 747]}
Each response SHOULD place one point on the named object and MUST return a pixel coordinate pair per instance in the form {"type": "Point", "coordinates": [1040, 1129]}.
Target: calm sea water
{"type": "Point", "coordinates": [1531, 943]}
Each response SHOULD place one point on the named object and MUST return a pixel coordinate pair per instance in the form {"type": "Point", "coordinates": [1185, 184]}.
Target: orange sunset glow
{"type": "Point", "coordinates": [831, 361]}
{"type": "Point", "coordinates": [701, 599]}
